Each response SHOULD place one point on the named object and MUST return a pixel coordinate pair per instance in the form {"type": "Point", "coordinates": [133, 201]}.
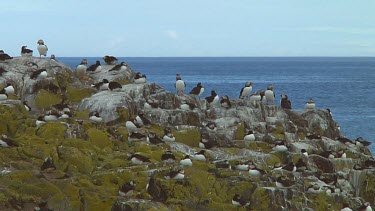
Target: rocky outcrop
{"type": "Point", "coordinates": [92, 158]}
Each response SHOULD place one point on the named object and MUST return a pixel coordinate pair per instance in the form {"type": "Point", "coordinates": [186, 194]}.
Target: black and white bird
{"type": "Point", "coordinates": [102, 85]}
{"type": "Point", "coordinates": [95, 116]}
{"type": "Point", "coordinates": [26, 52]}
{"type": "Point", "coordinates": [168, 135]}
{"type": "Point", "coordinates": [222, 164]}
{"type": "Point", "coordinates": [186, 105]}
{"type": "Point", "coordinates": [152, 138]}
{"type": "Point", "coordinates": [270, 95]}
{"type": "Point", "coordinates": [249, 136]}
{"type": "Point", "coordinates": [314, 188]}
{"type": "Point", "coordinates": [110, 60]}
{"type": "Point", "coordinates": [341, 154]}
{"type": "Point", "coordinates": [346, 207]}
{"type": "Point", "coordinates": [42, 48]}
{"type": "Point", "coordinates": [290, 167]}
{"type": "Point", "coordinates": [7, 142]}
{"type": "Point", "coordinates": [327, 154]}
{"type": "Point", "coordinates": [168, 157]}
{"type": "Point", "coordinates": [136, 136]}
{"type": "Point", "coordinates": [122, 66]}
{"type": "Point", "coordinates": [176, 175]}
{"type": "Point", "coordinates": [186, 161]}
{"type": "Point", "coordinates": [151, 103]}
{"type": "Point", "coordinates": [198, 90]}
{"type": "Point", "coordinates": [240, 201]}
{"type": "Point", "coordinates": [361, 142]}
{"type": "Point", "coordinates": [142, 119]}
{"type": "Point", "coordinates": [53, 57]}
{"type": "Point", "coordinates": [27, 107]}
{"type": "Point", "coordinates": [200, 156]}
{"type": "Point", "coordinates": [39, 121]}
{"type": "Point", "coordinates": [280, 146]}
{"type": "Point", "coordinates": [255, 98]}
{"type": "Point", "coordinates": [285, 102]}
{"type": "Point", "coordinates": [95, 67]}
{"type": "Point", "coordinates": [180, 85]}
{"type": "Point", "coordinates": [365, 207]}
{"type": "Point", "coordinates": [114, 86]}
{"type": "Point", "coordinates": [243, 165]}
{"type": "Point", "coordinates": [39, 74]}
{"type": "Point", "coordinates": [4, 56]}
{"type": "Point", "coordinates": [3, 95]}
{"type": "Point", "coordinates": [51, 115]}
{"type": "Point", "coordinates": [310, 105]}
{"type": "Point", "coordinates": [225, 102]}
{"type": "Point", "coordinates": [301, 165]}
{"type": "Point", "coordinates": [132, 125]}
{"type": "Point", "coordinates": [8, 89]}
{"type": "Point", "coordinates": [127, 189]}
{"type": "Point", "coordinates": [138, 159]}
{"type": "Point", "coordinates": [207, 142]}
{"type": "Point", "coordinates": [255, 171]}
{"type": "Point", "coordinates": [283, 182]}
{"type": "Point", "coordinates": [81, 68]}
{"type": "Point", "coordinates": [48, 164]}
{"type": "Point", "coordinates": [213, 99]}
{"type": "Point", "coordinates": [246, 91]}
{"type": "Point", "coordinates": [304, 152]}
{"type": "Point", "coordinates": [140, 78]}
{"type": "Point", "coordinates": [211, 126]}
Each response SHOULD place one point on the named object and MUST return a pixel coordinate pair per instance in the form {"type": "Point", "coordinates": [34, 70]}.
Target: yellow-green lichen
{"type": "Point", "coordinates": [99, 138]}
{"type": "Point", "coordinates": [240, 132]}
{"type": "Point", "coordinates": [190, 137]}
{"type": "Point", "coordinates": [52, 130]}
{"type": "Point", "coordinates": [45, 99]}
{"type": "Point", "coordinates": [75, 95]}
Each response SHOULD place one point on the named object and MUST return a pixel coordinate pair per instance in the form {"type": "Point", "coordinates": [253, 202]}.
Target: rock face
{"type": "Point", "coordinates": [91, 158]}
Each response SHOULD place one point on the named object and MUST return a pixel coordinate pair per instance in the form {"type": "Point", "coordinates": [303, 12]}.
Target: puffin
{"type": "Point", "coordinates": [103, 85]}
{"type": "Point", "coordinates": [121, 66]}
{"type": "Point", "coordinates": [207, 143]}
{"type": "Point", "coordinates": [365, 207]}
{"type": "Point", "coordinates": [139, 78]}
{"type": "Point", "coordinates": [114, 86]}
{"type": "Point", "coordinates": [53, 57]}
{"type": "Point", "coordinates": [211, 126]}
{"type": "Point", "coordinates": [51, 115]}
{"type": "Point", "coordinates": [262, 94]}
{"type": "Point", "coordinates": [243, 166]}
{"type": "Point", "coordinates": [127, 189]}
{"type": "Point", "coordinates": [310, 105]}
{"type": "Point", "coordinates": [134, 136]}
{"type": "Point", "coordinates": [110, 60]}
{"type": "Point", "coordinates": [346, 141]}
{"type": "Point", "coordinates": [138, 159]}
{"type": "Point", "coordinates": [3, 95]}
{"type": "Point", "coordinates": [255, 171]}
{"type": "Point", "coordinates": [249, 136]}
{"type": "Point", "coordinates": [361, 142]}
{"type": "Point", "coordinates": [176, 175]}
{"type": "Point", "coordinates": [132, 125]}
{"type": "Point", "coordinates": [39, 74]}
{"type": "Point", "coordinates": [341, 154]}
{"type": "Point", "coordinates": [7, 142]}
{"type": "Point", "coordinates": [346, 207]}
{"type": "Point", "coordinates": [151, 103]}
{"type": "Point", "coordinates": [370, 162]}
{"type": "Point", "coordinates": [290, 167]}
{"type": "Point", "coordinates": [168, 157]}
{"type": "Point", "coordinates": [240, 201]}
{"type": "Point", "coordinates": [270, 94]}
{"type": "Point", "coordinates": [255, 98]}
{"type": "Point", "coordinates": [246, 91]}
{"type": "Point", "coordinates": [315, 188]}
{"type": "Point", "coordinates": [304, 152]}
{"type": "Point", "coordinates": [282, 182]}
{"type": "Point", "coordinates": [301, 165]}
{"type": "Point", "coordinates": [94, 116]}
{"type": "Point", "coordinates": [82, 67]}
{"type": "Point", "coordinates": [222, 164]}
{"type": "Point", "coordinates": [186, 161]}
{"type": "Point", "coordinates": [48, 164]}
{"type": "Point", "coordinates": [39, 121]}
{"type": "Point", "coordinates": [187, 106]}
{"type": "Point", "coordinates": [27, 107]}
{"type": "Point", "coordinates": [180, 85]}
{"type": "Point", "coordinates": [198, 90]}
{"type": "Point", "coordinates": [142, 119]}
{"type": "Point", "coordinates": [168, 135]}
{"type": "Point", "coordinates": [213, 99]}
{"type": "Point", "coordinates": [4, 56]}
{"type": "Point", "coordinates": [26, 52]}
{"type": "Point", "coordinates": [277, 166]}
{"type": "Point", "coordinates": [152, 138]}
{"type": "Point", "coordinates": [200, 156]}
{"type": "Point", "coordinates": [8, 89]}
{"type": "Point", "coordinates": [42, 48]}
{"type": "Point", "coordinates": [280, 147]}
{"type": "Point", "coordinates": [285, 102]}
{"type": "Point", "coordinates": [327, 154]}
{"type": "Point", "coordinates": [94, 67]}
{"type": "Point", "coordinates": [225, 102]}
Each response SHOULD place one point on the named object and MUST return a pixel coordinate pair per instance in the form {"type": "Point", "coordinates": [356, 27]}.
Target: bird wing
{"type": "Point", "coordinates": [241, 92]}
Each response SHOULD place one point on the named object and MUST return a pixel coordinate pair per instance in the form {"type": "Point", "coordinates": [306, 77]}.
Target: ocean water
{"type": "Point", "coordinates": [344, 85]}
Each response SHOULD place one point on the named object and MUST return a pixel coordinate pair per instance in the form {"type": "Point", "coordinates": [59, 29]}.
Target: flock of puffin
{"type": "Point", "coordinates": [62, 110]}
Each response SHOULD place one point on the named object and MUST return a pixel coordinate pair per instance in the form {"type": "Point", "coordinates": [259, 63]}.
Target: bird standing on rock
{"type": "Point", "coordinates": [42, 48]}
{"type": "Point", "coordinates": [240, 201]}
{"type": "Point", "coordinates": [270, 95]}
{"type": "Point", "coordinates": [198, 90]}
{"type": "Point", "coordinates": [121, 66]}
{"type": "Point", "coordinates": [213, 99]}
{"type": "Point", "coordinates": [225, 102]}
{"type": "Point", "coordinates": [94, 67]}
{"type": "Point", "coordinates": [4, 56]}
{"type": "Point", "coordinates": [139, 78]}
{"type": "Point", "coordinates": [246, 91]}
{"type": "Point", "coordinates": [285, 102]}
{"type": "Point", "coordinates": [110, 60]}
{"type": "Point", "coordinates": [180, 85]}
{"type": "Point", "coordinates": [81, 68]}
{"type": "Point", "coordinates": [26, 52]}
{"type": "Point", "coordinates": [310, 105]}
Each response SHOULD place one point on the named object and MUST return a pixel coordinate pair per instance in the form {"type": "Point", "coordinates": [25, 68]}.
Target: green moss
{"type": "Point", "coordinates": [44, 99]}
{"type": "Point", "coordinates": [82, 114]}
{"type": "Point", "coordinates": [123, 114]}
{"type": "Point", "coordinates": [52, 130]}
{"type": "Point", "coordinates": [240, 132]}
{"type": "Point", "coordinates": [279, 132]}
{"type": "Point", "coordinates": [193, 119]}
{"type": "Point", "coordinates": [261, 199]}
{"type": "Point", "coordinates": [99, 138]}
{"type": "Point", "coordinates": [158, 129]}
{"type": "Point", "coordinates": [11, 120]}
{"type": "Point", "coordinates": [76, 161]}
{"type": "Point", "coordinates": [189, 137]}
{"type": "Point", "coordinates": [76, 95]}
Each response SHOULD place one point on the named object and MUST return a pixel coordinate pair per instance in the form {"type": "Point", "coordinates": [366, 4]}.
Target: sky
{"type": "Point", "coordinates": [210, 28]}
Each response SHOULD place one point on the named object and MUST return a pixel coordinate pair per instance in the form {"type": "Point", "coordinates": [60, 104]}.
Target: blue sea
{"type": "Point", "coordinates": [344, 85]}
